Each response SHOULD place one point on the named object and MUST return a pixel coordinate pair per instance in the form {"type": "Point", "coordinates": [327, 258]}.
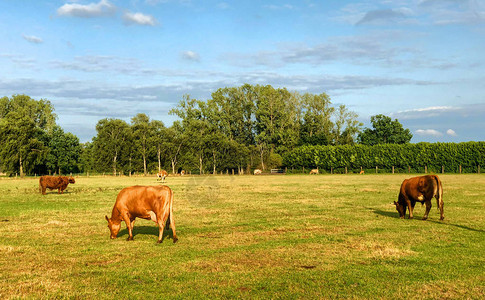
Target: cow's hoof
{"type": "Point", "coordinates": [425, 218]}
{"type": "Point", "coordinates": [442, 218]}
{"type": "Point", "coordinates": [159, 241]}
{"type": "Point", "coordinates": [129, 239]}
{"type": "Point", "coordinates": [175, 240]}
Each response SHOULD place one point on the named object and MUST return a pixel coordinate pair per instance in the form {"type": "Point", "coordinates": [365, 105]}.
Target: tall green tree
{"type": "Point", "coordinates": [157, 139]}
{"type": "Point", "coordinates": [173, 144]}
{"type": "Point", "coordinates": [86, 159]}
{"type": "Point", "coordinates": [112, 145]}
{"type": "Point", "coordinates": [271, 121]}
{"type": "Point", "coordinates": [24, 124]}
{"type": "Point", "coordinates": [143, 133]}
{"type": "Point", "coordinates": [64, 151]}
{"type": "Point", "coordinates": [233, 111]}
{"type": "Point", "coordinates": [317, 122]}
{"type": "Point", "coordinates": [346, 126]}
{"type": "Point", "coordinates": [385, 131]}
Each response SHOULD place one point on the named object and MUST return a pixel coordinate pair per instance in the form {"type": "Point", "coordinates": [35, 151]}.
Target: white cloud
{"type": "Point", "coordinates": [383, 15]}
{"type": "Point", "coordinates": [451, 132]}
{"type": "Point", "coordinates": [139, 18]}
{"type": "Point", "coordinates": [426, 112]}
{"type": "Point", "coordinates": [103, 7]}
{"type": "Point", "coordinates": [428, 132]}
{"type": "Point", "coordinates": [191, 55]}
{"type": "Point", "coordinates": [444, 12]}
{"type": "Point", "coordinates": [33, 39]}
{"type": "Point", "coordinates": [278, 7]}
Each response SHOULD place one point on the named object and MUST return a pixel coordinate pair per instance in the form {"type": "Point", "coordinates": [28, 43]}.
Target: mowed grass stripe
{"type": "Point", "coordinates": [294, 236]}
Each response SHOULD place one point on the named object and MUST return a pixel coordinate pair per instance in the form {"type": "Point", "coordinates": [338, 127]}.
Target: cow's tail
{"type": "Point", "coordinates": [439, 196]}
{"type": "Point", "coordinates": [170, 216]}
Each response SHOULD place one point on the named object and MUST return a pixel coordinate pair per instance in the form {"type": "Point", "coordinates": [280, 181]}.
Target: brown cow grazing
{"type": "Point", "coordinates": [258, 172]}
{"type": "Point", "coordinates": [146, 202]}
{"type": "Point", "coordinates": [420, 189]}
{"type": "Point", "coordinates": [314, 171]}
{"type": "Point", "coordinates": [55, 182]}
{"type": "Point", "coordinates": [362, 172]}
{"type": "Point", "coordinates": [162, 175]}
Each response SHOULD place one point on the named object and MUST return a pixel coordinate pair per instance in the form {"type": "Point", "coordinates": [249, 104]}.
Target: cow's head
{"type": "Point", "coordinates": [71, 180]}
{"type": "Point", "coordinates": [401, 209]}
{"type": "Point", "coordinates": [113, 228]}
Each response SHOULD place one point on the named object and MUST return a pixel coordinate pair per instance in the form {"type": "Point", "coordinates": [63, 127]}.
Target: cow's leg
{"type": "Point", "coordinates": [129, 227]}
{"type": "Point", "coordinates": [410, 207]}
{"type": "Point", "coordinates": [161, 224]}
{"type": "Point", "coordinates": [132, 224]}
{"type": "Point", "coordinates": [172, 225]}
{"type": "Point", "coordinates": [428, 208]}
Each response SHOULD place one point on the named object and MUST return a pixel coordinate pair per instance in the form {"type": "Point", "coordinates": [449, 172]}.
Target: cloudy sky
{"type": "Point", "coordinates": [420, 61]}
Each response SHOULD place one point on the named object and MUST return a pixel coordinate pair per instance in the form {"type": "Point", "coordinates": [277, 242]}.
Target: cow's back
{"type": "Point", "coordinates": [50, 181]}
{"type": "Point", "coordinates": [421, 187]}
{"type": "Point", "coordinates": [137, 200]}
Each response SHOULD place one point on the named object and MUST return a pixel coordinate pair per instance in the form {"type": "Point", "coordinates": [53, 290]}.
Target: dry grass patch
{"type": "Point", "coordinates": [457, 289]}
{"type": "Point", "coordinates": [373, 249]}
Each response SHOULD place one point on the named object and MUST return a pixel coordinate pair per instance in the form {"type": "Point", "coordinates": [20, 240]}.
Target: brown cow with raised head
{"type": "Point", "coordinates": [420, 189]}
{"type": "Point", "coordinates": [55, 182]}
{"type": "Point", "coordinates": [314, 171]}
{"type": "Point", "coordinates": [147, 202]}
{"type": "Point", "coordinates": [162, 175]}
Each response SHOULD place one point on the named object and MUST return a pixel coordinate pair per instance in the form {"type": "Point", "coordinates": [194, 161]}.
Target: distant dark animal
{"type": "Point", "coordinates": [162, 175]}
{"type": "Point", "coordinates": [55, 182]}
{"type": "Point", "coordinates": [147, 202]}
{"type": "Point", "coordinates": [314, 171]}
{"type": "Point", "coordinates": [420, 189]}
{"type": "Point", "coordinates": [258, 172]}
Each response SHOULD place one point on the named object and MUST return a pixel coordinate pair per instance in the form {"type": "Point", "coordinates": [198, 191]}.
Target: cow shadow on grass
{"type": "Point", "coordinates": [395, 215]}
{"type": "Point", "coordinates": [389, 214]}
{"type": "Point", "coordinates": [146, 230]}
{"type": "Point", "coordinates": [456, 225]}
{"type": "Point", "coordinates": [55, 193]}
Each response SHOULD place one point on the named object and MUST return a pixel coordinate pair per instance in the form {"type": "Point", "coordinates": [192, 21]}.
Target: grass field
{"type": "Point", "coordinates": [293, 236]}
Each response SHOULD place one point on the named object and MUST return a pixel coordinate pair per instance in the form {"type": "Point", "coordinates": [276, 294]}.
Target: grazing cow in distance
{"type": "Point", "coordinates": [314, 171]}
{"type": "Point", "coordinates": [420, 189]}
{"type": "Point", "coordinates": [361, 172]}
{"type": "Point", "coordinates": [182, 173]}
{"type": "Point", "coordinates": [162, 175]}
{"type": "Point", "coordinates": [258, 172]}
{"type": "Point", "coordinates": [147, 202]}
{"type": "Point", "coordinates": [55, 182]}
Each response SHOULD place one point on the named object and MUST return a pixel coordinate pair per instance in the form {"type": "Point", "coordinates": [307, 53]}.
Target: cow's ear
{"type": "Point", "coordinates": [107, 219]}
{"type": "Point", "coordinates": [395, 203]}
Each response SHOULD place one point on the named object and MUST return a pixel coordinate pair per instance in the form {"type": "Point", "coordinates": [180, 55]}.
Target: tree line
{"type": "Point", "coordinates": [435, 157]}
{"type": "Point", "coordinates": [239, 128]}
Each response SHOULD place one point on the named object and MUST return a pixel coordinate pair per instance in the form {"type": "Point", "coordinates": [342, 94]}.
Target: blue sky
{"type": "Point", "coordinates": [420, 61]}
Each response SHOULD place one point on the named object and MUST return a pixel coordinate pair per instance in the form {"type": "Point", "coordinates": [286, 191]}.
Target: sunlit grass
{"type": "Point", "coordinates": [293, 236]}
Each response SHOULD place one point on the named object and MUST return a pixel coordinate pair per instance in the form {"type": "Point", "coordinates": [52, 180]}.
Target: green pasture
{"type": "Point", "coordinates": [280, 236]}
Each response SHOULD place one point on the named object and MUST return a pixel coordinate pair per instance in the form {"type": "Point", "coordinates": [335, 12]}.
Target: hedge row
{"type": "Point", "coordinates": [433, 156]}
